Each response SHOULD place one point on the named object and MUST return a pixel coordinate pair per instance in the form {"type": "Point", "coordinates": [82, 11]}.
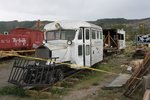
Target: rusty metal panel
{"type": "Point", "coordinates": [36, 36]}
{"type": "Point", "coordinates": [13, 42]}
{"type": "Point", "coordinates": [21, 38]}
{"type": "Point", "coordinates": [136, 79]}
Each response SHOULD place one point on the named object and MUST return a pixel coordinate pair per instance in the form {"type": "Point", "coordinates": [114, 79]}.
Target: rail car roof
{"type": "Point", "coordinates": [144, 35]}
{"type": "Point", "coordinates": [120, 31]}
{"type": "Point", "coordinates": [70, 25]}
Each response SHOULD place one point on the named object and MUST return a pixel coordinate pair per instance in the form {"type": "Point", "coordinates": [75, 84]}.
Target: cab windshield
{"type": "Point", "coordinates": [60, 35]}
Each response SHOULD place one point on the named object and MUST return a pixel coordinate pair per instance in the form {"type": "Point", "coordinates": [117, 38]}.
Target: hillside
{"type": "Point", "coordinates": [131, 26]}
{"type": "Point", "coordinates": [7, 26]}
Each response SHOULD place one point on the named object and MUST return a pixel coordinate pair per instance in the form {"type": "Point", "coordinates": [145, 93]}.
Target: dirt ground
{"type": "Point", "coordinates": [89, 93]}
{"type": "Point", "coordinates": [89, 88]}
{"type": "Point", "coordinates": [5, 68]}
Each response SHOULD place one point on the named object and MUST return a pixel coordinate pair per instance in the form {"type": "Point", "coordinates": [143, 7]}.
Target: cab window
{"type": "Point", "coordinates": [100, 33]}
{"type": "Point", "coordinates": [97, 35]}
{"type": "Point", "coordinates": [79, 50]}
{"type": "Point", "coordinates": [87, 34]}
{"type": "Point", "coordinates": [80, 34]}
{"type": "Point", "coordinates": [93, 34]}
{"type": "Point", "coordinates": [60, 35]}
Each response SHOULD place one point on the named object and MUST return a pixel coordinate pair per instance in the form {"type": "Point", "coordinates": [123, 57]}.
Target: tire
{"type": "Point", "coordinates": [50, 78]}
{"type": "Point", "coordinates": [59, 75]}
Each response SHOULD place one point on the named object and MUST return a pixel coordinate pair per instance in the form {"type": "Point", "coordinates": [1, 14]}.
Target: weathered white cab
{"type": "Point", "coordinates": [114, 40]}
{"type": "Point", "coordinates": [75, 42]}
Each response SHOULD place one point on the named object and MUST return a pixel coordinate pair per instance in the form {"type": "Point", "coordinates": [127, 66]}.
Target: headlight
{"type": "Point", "coordinates": [69, 42]}
{"type": "Point", "coordinates": [43, 42]}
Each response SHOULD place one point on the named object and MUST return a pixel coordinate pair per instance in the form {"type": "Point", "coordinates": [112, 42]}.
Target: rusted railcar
{"type": "Point", "coordinates": [14, 42]}
{"type": "Point", "coordinates": [113, 40]}
{"type": "Point", "coordinates": [21, 38]}
{"type": "Point", "coordinates": [36, 37]}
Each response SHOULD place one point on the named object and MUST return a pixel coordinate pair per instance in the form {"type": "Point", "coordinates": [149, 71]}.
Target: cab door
{"type": "Point", "coordinates": [87, 46]}
{"type": "Point", "coordinates": [96, 46]}
{"type": "Point", "coordinates": [83, 47]}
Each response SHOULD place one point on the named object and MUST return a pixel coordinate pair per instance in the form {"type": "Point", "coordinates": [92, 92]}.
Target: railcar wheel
{"type": "Point", "coordinates": [59, 74]}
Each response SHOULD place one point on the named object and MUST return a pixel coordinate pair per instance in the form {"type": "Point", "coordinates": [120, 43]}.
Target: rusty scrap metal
{"type": "Point", "coordinates": [133, 83]}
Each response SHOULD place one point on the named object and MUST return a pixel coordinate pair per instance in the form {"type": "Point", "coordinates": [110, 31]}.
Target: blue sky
{"type": "Point", "coordinates": [73, 9]}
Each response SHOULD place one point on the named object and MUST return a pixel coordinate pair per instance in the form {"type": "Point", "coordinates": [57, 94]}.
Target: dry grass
{"type": "Point", "coordinates": [97, 79]}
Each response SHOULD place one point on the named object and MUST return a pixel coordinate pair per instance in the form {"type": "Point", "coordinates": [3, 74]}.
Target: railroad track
{"type": "Point", "coordinates": [68, 81]}
{"type": "Point", "coordinates": [24, 65]}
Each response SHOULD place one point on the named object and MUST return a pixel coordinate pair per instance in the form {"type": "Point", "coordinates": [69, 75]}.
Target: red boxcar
{"type": "Point", "coordinates": [21, 38]}
{"type": "Point", "coordinates": [36, 36]}
{"type": "Point", "coordinates": [14, 42]}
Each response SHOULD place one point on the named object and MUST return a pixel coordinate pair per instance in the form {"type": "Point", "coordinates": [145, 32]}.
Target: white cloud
{"type": "Point", "coordinates": [73, 9]}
